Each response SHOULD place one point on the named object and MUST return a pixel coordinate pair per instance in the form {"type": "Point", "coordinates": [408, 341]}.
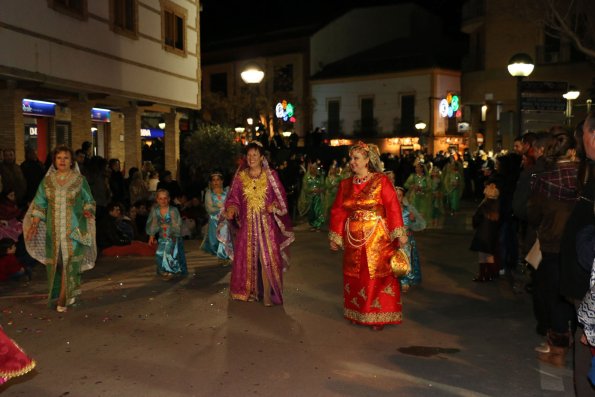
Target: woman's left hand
{"type": "Point", "coordinates": [271, 208]}
{"type": "Point", "coordinates": [403, 240]}
{"type": "Point", "coordinates": [87, 214]}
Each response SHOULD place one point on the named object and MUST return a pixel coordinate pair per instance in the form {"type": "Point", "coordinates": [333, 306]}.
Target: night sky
{"type": "Point", "coordinates": [222, 19]}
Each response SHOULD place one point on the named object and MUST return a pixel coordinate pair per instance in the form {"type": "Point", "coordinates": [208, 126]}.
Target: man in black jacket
{"type": "Point", "coordinates": [574, 278]}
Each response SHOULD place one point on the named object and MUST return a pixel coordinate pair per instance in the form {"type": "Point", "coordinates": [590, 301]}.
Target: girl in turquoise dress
{"type": "Point", "coordinates": [167, 222]}
{"type": "Point", "coordinates": [413, 221]}
{"type": "Point", "coordinates": [214, 198]}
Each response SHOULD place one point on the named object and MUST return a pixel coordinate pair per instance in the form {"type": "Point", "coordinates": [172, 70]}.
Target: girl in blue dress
{"type": "Point", "coordinates": [214, 198]}
{"type": "Point", "coordinates": [413, 221]}
{"type": "Point", "coordinates": [165, 220]}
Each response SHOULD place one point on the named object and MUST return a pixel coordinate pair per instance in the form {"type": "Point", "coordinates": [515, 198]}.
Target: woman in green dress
{"type": "Point", "coordinates": [60, 228]}
{"type": "Point", "coordinates": [454, 183]}
{"type": "Point", "coordinates": [419, 190]}
{"type": "Point", "coordinates": [331, 185]}
{"type": "Point", "coordinates": [310, 203]}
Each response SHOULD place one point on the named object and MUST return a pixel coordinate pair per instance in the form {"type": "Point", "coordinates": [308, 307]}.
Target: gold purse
{"type": "Point", "coordinates": [399, 263]}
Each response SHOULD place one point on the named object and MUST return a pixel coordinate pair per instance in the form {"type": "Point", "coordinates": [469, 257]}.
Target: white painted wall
{"type": "Point", "coordinates": [386, 91]}
{"type": "Point", "coordinates": [51, 46]}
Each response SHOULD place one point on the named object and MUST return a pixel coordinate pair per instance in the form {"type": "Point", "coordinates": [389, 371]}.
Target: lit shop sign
{"type": "Point", "coordinates": [151, 133]}
{"type": "Point", "coordinates": [38, 108]}
{"type": "Point", "coordinates": [284, 110]}
{"type": "Point", "coordinates": [99, 115]}
{"type": "Point", "coordinates": [32, 131]}
{"type": "Point", "coordinates": [450, 106]}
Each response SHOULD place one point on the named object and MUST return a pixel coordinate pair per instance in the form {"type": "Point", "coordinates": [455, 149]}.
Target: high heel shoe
{"type": "Point", "coordinates": [61, 309]}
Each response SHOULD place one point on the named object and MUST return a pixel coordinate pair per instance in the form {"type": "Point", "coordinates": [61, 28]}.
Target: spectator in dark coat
{"type": "Point", "coordinates": [12, 177]}
{"type": "Point", "coordinates": [117, 184]}
{"type": "Point", "coordinates": [168, 183]}
{"type": "Point", "coordinates": [33, 172]}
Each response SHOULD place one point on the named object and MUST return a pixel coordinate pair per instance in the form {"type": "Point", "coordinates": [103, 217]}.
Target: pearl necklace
{"type": "Point", "coordinates": [359, 180]}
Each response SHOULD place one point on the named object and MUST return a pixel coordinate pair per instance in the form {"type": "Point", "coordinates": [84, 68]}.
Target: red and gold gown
{"type": "Point", "coordinates": [365, 221]}
{"type": "Point", "coordinates": [13, 361]}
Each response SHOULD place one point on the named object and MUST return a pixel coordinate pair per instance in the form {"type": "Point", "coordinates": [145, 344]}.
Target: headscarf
{"type": "Point", "coordinates": [373, 154]}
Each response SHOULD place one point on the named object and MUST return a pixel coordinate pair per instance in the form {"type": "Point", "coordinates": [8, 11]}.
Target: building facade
{"type": "Point", "coordinates": [382, 88]}
{"type": "Point", "coordinates": [499, 29]}
{"type": "Point", "coordinates": [98, 71]}
{"type": "Point", "coordinates": [284, 59]}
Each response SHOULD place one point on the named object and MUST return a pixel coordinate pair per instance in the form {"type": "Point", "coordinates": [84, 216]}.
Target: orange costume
{"type": "Point", "coordinates": [365, 221]}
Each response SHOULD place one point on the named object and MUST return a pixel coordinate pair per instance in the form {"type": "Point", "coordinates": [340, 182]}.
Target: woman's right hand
{"type": "Point", "coordinates": [152, 240]}
{"type": "Point", "coordinates": [231, 212]}
{"type": "Point", "coordinates": [334, 246]}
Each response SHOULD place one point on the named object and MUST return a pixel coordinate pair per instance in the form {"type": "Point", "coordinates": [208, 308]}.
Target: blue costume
{"type": "Point", "coordinates": [170, 256]}
{"type": "Point", "coordinates": [413, 277]}
{"type": "Point", "coordinates": [214, 204]}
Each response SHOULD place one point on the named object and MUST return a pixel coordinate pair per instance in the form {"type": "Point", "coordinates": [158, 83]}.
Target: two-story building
{"type": "Point", "coordinates": [381, 71]}
{"type": "Point", "coordinates": [98, 71]}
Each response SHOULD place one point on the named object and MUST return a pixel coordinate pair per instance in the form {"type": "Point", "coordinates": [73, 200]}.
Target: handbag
{"type": "Point", "coordinates": [534, 255]}
{"type": "Point", "coordinates": [399, 263]}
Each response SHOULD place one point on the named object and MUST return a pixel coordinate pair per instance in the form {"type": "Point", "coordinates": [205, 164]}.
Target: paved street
{"type": "Point", "coordinates": [136, 335]}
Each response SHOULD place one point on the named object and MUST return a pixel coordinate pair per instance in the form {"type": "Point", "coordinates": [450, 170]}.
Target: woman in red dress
{"type": "Point", "coordinates": [365, 221]}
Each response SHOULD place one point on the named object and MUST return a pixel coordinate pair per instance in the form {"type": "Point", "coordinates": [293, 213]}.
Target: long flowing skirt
{"type": "Point", "coordinates": [170, 256]}
{"type": "Point", "coordinates": [372, 301]}
{"type": "Point", "coordinates": [413, 277]}
{"type": "Point", "coordinates": [211, 244]}
{"type": "Point", "coordinates": [13, 360]}
{"type": "Point", "coordinates": [316, 213]}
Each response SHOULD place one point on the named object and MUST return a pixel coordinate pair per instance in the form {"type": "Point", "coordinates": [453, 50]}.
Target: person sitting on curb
{"type": "Point", "coordinates": [111, 241]}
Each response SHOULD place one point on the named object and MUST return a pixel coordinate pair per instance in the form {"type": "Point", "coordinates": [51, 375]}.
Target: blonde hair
{"type": "Point", "coordinates": [371, 152]}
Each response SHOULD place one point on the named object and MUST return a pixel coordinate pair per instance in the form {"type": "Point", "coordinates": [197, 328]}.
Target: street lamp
{"type": "Point", "coordinates": [252, 75]}
{"type": "Point", "coordinates": [570, 96]}
{"type": "Point", "coordinates": [420, 126]}
{"type": "Point", "coordinates": [520, 66]}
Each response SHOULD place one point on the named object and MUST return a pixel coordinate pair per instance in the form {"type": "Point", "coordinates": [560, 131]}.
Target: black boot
{"type": "Point", "coordinates": [482, 275]}
{"type": "Point", "coordinates": [558, 347]}
{"type": "Point", "coordinates": [493, 271]}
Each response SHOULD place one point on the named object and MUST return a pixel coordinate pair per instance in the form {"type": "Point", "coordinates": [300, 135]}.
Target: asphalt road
{"type": "Point", "coordinates": [134, 334]}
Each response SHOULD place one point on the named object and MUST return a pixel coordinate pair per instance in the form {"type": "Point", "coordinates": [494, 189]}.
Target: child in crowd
{"type": "Point", "coordinates": [413, 221]}
{"type": "Point", "coordinates": [485, 239]}
{"type": "Point", "coordinates": [10, 267]}
{"type": "Point", "coordinates": [165, 220]}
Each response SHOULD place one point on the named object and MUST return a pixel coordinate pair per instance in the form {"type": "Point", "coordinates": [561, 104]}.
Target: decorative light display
{"type": "Point", "coordinates": [284, 110]}
{"type": "Point", "coordinates": [449, 106]}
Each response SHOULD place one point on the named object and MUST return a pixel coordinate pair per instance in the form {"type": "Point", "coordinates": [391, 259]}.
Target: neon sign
{"type": "Point", "coordinates": [284, 110]}
{"type": "Point", "coordinates": [449, 106]}
{"type": "Point", "coordinates": [38, 108]}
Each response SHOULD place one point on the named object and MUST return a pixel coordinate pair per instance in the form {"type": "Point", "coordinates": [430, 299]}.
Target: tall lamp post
{"type": "Point", "coordinates": [570, 96]}
{"type": "Point", "coordinates": [252, 75]}
{"type": "Point", "coordinates": [520, 66]}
